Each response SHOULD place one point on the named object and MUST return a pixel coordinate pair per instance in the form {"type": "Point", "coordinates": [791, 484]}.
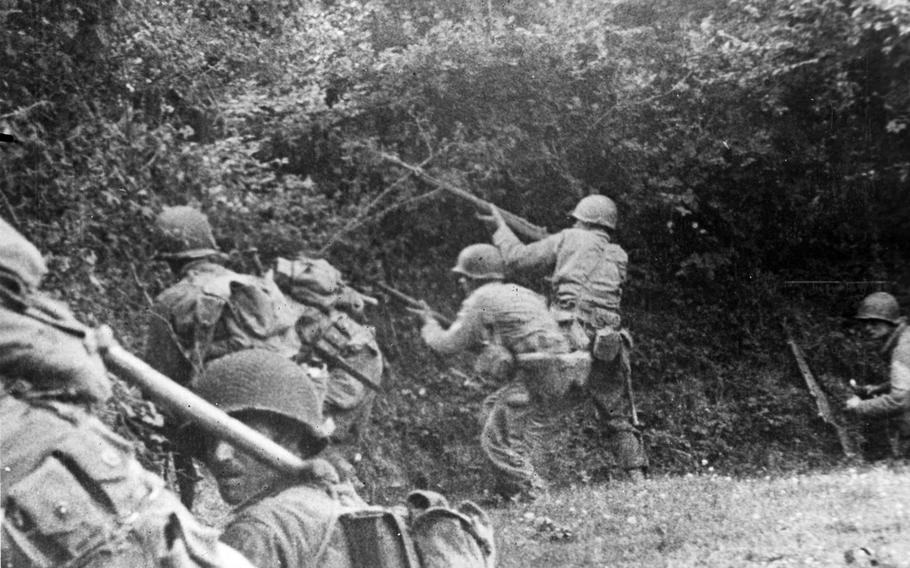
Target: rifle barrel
{"type": "Point", "coordinates": [192, 407]}
{"type": "Point", "coordinates": [518, 224]}
{"type": "Point", "coordinates": [413, 302]}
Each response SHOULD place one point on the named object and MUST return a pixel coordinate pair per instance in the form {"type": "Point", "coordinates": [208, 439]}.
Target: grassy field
{"type": "Point", "coordinates": [715, 521]}
{"type": "Point", "coordinates": [703, 520]}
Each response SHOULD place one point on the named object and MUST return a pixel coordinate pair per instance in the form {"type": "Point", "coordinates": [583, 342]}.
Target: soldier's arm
{"type": "Point", "coordinates": [520, 257]}
{"type": "Point", "coordinates": [255, 540]}
{"type": "Point", "coordinates": [896, 401]}
{"type": "Point", "coordinates": [466, 331]}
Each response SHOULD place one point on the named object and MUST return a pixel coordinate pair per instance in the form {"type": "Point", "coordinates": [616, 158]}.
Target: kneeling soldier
{"type": "Point", "coordinates": [880, 315]}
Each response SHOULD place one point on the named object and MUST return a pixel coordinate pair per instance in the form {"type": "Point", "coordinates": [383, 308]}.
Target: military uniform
{"type": "Point", "coordinates": [517, 415]}
{"type": "Point", "coordinates": [72, 491]}
{"type": "Point", "coordinates": [895, 403]}
{"type": "Point", "coordinates": [295, 526]}
{"type": "Point", "coordinates": [588, 272]}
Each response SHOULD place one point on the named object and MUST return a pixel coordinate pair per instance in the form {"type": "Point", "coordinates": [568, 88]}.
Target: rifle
{"type": "Point", "coordinates": [412, 302]}
{"type": "Point", "coordinates": [821, 401]}
{"type": "Point", "coordinates": [333, 360]}
{"type": "Point", "coordinates": [164, 391]}
{"type": "Point", "coordinates": [518, 224]}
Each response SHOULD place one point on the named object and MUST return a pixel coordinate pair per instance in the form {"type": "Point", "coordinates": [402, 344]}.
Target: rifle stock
{"type": "Point", "coordinates": [520, 225]}
{"type": "Point", "coordinates": [412, 302]}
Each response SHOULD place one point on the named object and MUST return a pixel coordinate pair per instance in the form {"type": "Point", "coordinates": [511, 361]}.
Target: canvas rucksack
{"type": "Point", "coordinates": [215, 312]}
{"type": "Point", "coordinates": [425, 533]}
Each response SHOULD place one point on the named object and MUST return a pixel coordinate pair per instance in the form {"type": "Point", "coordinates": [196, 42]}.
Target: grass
{"type": "Point", "coordinates": [706, 520]}
{"type": "Point", "coordinates": [713, 521]}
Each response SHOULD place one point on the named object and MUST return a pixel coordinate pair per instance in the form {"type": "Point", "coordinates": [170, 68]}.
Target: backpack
{"type": "Point", "coordinates": [425, 533]}
{"type": "Point", "coordinates": [215, 312]}
{"type": "Point", "coordinates": [314, 282]}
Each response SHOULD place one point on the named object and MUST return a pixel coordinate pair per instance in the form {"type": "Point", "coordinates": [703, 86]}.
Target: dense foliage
{"type": "Point", "coordinates": [747, 143]}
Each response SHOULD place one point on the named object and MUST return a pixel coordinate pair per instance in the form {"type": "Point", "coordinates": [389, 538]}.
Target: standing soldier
{"type": "Point", "coordinates": [211, 312]}
{"type": "Point", "coordinates": [881, 320]}
{"type": "Point", "coordinates": [73, 493]}
{"type": "Point", "coordinates": [587, 271]}
{"type": "Point", "coordinates": [513, 326]}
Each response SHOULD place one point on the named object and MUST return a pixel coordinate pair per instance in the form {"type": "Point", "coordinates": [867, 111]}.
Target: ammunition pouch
{"type": "Point", "coordinates": [609, 343]}
{"type": "Point", "coordinates": [550, 375]}
{"type": "Point", "coordinates": [495, 363]}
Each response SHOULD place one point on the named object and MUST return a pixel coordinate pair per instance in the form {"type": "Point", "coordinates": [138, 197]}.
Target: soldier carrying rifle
{"type": "Point", "coordinates": [588, 271]}
{"type": "Point", "coordinates": [73, 493]}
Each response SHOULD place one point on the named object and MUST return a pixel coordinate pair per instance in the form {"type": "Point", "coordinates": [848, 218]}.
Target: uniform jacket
{"type": "Point", "coordinates": [72, 491]}
{"type": "Point", "coordinates": [896, 402]}
{"type": "Point", "coordinates": [515, 316]}
{"type": "Point", "coordinates": [588, 271]}
{"type": "Point", "coordinates": [295, 527]}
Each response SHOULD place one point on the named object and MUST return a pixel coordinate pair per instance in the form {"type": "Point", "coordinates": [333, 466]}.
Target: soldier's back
{"type": "Point", "coordinates": [74, 494]}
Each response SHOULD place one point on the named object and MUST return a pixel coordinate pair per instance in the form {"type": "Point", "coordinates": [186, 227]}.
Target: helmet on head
{"type": "Point", "coordinates": [879, 306]}
{"type": "Point", "coordinates": [480, 261]}
{"type": "Point", "coordinates": [20, 259]}
{"type": "Point", "coordinates": [597, 210]}
{"type": "Point", "coordinates": [184, 233]}
{"type": "Point", "coordinates": [264, 381]}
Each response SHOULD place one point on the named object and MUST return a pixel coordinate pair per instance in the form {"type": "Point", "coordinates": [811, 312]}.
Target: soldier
{"type": "Point", "coordinates": [279, 520]}
{"type": "Point", "coordinates": [210, 312]}
{"type": "Point", "coordinates": [881, 320]}
{"type": "Point", "coordinates": [511, 323]}
{"type": "Point", "coordinates": [587, 271]}
{"type": "Point", "coordinates": [73, 493]}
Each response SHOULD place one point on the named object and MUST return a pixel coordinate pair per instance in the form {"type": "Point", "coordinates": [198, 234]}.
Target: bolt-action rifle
{"type": "Point", "coordinates": [167, 393]}
{"type": "Point", "coordinates": [520, 225]}
{"type": "Point", "coordinates": [332, 359]}
{"type": "Point", "coordinates": [821, 401]}
{"type": "Point", "coordinates": [412, 302]}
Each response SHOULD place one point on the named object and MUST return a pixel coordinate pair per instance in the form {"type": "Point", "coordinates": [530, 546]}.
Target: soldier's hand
{"type": "Point", "coordinates": [423, 310]}
{"type": "Point", "coordinates": [494, 220]}
{"type": "Point", "coordinates": [853, 402]}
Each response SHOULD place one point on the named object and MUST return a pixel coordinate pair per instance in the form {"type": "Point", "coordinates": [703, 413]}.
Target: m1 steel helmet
{"type": "Point", "coordinates": [263, 381]}
{"type": "Point", "coordinates": [879, 306]}
{"type": "Point", "coordinates": [184, 233]}
{"type": "Point", "coordinates": [597, 210]}
{"type": "Point", "coordinates": [480, 261]}
{"type": "Point", "coordinates": [20, 259]}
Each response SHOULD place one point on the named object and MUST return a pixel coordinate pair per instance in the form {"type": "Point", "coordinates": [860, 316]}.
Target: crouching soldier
{"type": "Point", "coordinates": [890, 400]}
{"type": "Point", "coordinates": [73, 493]}
{"type": "Point", "coordinates": [518, 336]}
{"type": "Point", "coordinates": [279, 520]}
{"type": "Point", "coordinates": [210, 312]}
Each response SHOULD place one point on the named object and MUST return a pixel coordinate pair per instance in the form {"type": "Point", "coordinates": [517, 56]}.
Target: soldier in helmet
{"type": "Point", "coordinates": [212, 311]}
{"type": "Point", "coordinates": [879, 314]}
{"type": "Point", "coordinates": [279, 520]}
{"type": "Point", "coordinates": [587, 271]}
{"type": "Point", "coordinates": [508, 322]}
{"type": "Point", "coordinates": [73, 493]}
